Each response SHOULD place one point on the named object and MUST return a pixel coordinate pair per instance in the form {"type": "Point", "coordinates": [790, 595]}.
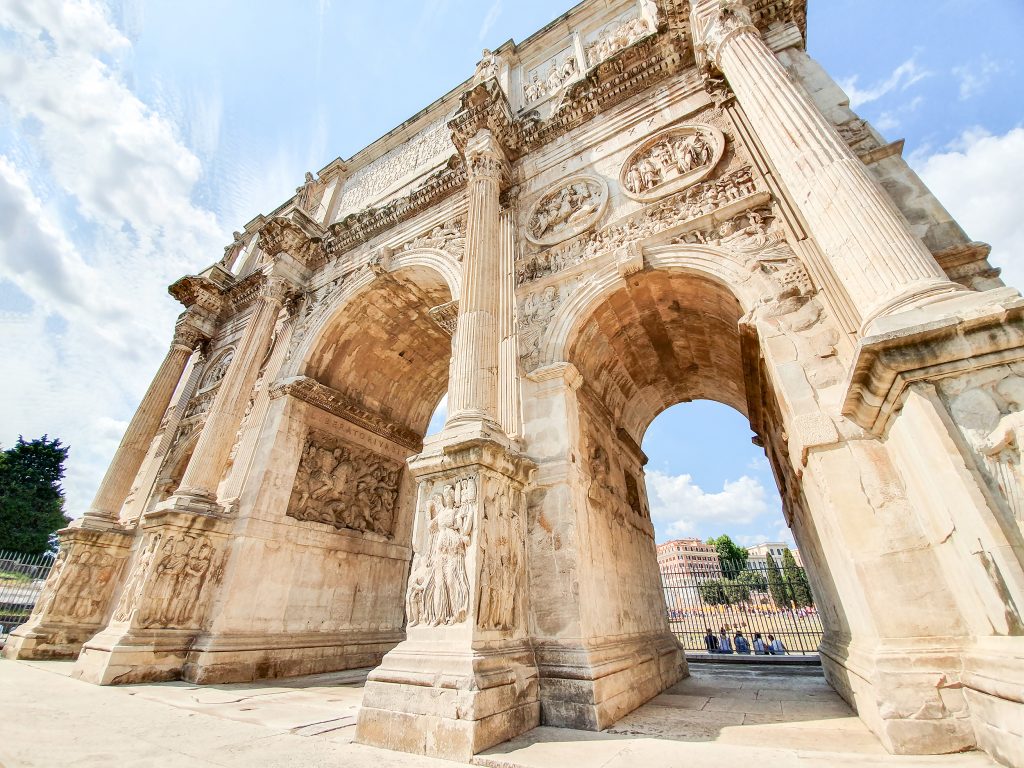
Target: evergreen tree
{"type": "Point", "coordinates": [777, 587]}
{"type": "Point", "coordinates": [713, 592]}
{"type": "Point", "coordinates": [731, 555]}
{"type": "Point", "coordinates": [796, 578]}
{"type": "Point", "coordinates": [31, 499]}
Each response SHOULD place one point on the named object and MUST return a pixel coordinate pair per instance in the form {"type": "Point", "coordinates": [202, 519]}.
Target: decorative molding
{"type": "Point", "coordinates": [346, 407]}
{"type": "Point", "coordinates": [446, 316]}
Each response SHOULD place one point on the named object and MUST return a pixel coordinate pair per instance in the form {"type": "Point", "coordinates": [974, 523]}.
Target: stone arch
{"type": "Point", "coordinates": [718, 265]}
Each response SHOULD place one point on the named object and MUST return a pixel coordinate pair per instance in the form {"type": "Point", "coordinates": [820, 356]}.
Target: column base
{"type": "Point", "coordinates": [118, 658]}
{"type": "Point", "coordinates": [449, 705]}
{"type": "Point", "coordinates": [194, 501]}
{"type": "Point", "coordinates": [238, 659]}
{"type": "Point", "coordinates": [590, 688]}
{"type": "Point", "coordinates": [910, 696]}
{"type": "Point", "coordinates": [994, 685]}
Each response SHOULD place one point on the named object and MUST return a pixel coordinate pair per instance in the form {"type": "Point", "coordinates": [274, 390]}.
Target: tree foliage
{"type": "Point", "coordinates": [724, 591]}
{"type": "Point", "coordinates": [796, 579]}
{"type": "Point", "coordinates": [732, 556]}
{"type": "Point", "coordinates": [31, 498]}
{"type": "Point", "coordinates": [776, 586]}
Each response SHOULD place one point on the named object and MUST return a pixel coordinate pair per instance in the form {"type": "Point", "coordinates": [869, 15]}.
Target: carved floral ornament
{"type": "Point", "coordinates": [671, 160]}
{"type": "Point", "coordinates": [570, 207]}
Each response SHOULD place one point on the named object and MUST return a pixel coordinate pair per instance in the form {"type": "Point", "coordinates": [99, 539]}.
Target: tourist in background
{"type": "Point", "coordinates": [742, 645]}
{"type": "Point", "coordinates": [724, 643]}
{"type": "Point", "coordinates": [776, 647]}
{"type": "Point", "coordinates": [759, 647]}
{"type": "Point", "coordinates": [711, 642]}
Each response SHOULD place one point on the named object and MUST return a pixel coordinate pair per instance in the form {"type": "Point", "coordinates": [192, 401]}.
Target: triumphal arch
{"type": "Point", "coordinates": [644, 203]}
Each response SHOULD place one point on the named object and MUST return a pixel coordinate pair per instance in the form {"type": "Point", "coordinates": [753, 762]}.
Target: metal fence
{"type": "Point", "coordinates": [21, 581]}
{"type": "Point", "coordinates": [753, 599]}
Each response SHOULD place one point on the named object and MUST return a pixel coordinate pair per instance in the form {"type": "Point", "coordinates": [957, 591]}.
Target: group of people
{"type": "Point", "coordinates": [760, 647]}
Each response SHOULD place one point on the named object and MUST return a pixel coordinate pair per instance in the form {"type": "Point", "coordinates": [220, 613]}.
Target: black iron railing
{"type": "Point", "coordinates": [21, 581]}
{"type": "Point", "coordinates": [745, 602]}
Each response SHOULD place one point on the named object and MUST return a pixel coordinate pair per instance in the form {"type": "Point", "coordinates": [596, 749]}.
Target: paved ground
{"type": "Point", "coordinates": [721, 716]}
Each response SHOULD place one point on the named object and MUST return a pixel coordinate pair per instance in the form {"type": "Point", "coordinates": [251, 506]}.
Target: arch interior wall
{"type": "Point", "coordinates": [650, 203]}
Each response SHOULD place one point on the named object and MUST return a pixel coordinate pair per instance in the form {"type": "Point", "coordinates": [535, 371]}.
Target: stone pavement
{"type": "Point", "coordinates": [722, 715]}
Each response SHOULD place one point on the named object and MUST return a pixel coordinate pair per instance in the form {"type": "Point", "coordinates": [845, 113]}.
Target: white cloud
{"type": "Point", "coordinates": [96, 218]}
{"type": "Point", "coordinates": [492, 16]}
{"type": "Point", "coordinates": [680, 506]}
{"type": "Point", "coordinates": [977, 178]}
{"type": "Point", "coordinates": [975, 77]}
{"type": "Point", "coordinates": [901, 78]}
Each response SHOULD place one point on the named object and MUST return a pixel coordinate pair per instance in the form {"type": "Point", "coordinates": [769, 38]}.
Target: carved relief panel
{"type": "Point", "coordinates": [620, 33]}
{"type": "Point", "coordinates": [439, 585]}
{"type": "Point", "coordinates": [549, 77]}
{"type": "Point", "coordinates": [503, 557]}
{"type": "Point", "coordinates": [346, 486]}
{"type": "Point", "coordinates": [988, 408]}
{"type": "Point", "coordinates": [572, 206]}
{"type": "Point", "coordinates": [671, 160]}
{"type": "Point", "coordinates": [79, 585]}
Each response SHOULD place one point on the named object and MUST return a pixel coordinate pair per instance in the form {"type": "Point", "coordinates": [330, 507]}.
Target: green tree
{"type": "Point", "coordinates": [753, 581]}
{"type": "Point", "coordinates": [736, 591]}
{"type": "Point", "coordinates": [796, 578]}
{"type": "Point", "coordinates": [713, 592]}
{"type": "Point", "coordinates": [731, 555]}
{"type": "Point", "coordinates": [31, 499]}
{"type": "Point", "coordinates": [776, 585]}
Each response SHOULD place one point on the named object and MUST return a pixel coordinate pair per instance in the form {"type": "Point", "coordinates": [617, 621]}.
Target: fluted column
{"type": "Point", "coordinates": [866, 241]}
{"type": "Point", "coordinates": [204, 470]}
{"type": "Point", "coordinates": [473, 389]}
{"type": "Point", "coordinates": [142, 429]}
{"type": "Point", "coordinates": [508, 385]}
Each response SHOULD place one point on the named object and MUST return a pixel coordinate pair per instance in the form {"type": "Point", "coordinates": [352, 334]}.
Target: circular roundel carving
{"type": "Point", "coordinates": [568, 208]}
{"type": "Point", "coordinates": [671, 160]}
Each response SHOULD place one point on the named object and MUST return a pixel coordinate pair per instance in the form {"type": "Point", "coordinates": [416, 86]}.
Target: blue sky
{"type": "Point", "coordinates": [136, 135]}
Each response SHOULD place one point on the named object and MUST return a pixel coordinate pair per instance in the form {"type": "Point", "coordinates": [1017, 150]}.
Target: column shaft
{"type": "Point", "coordinates": [867, 242]}
{"type": "Point", "coordinates": [210, 456]}
{"type": "Point", "coordinates": [473, 389]}
{"type": "Point", "coordinates": [142, 428]}
{"type": "Point", "coordinates": [508, 385]}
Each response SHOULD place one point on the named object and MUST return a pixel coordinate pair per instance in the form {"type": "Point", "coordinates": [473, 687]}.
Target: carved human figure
{"type": "Point", "coordinates": [52, 585]}
{"type": "Point", "coordinates": [1003, 445]}
{"type": "Point", "coordinates": [134, 584]}
{"type": "Point", "coordinates": [191, 580]}
{"type": "Point", "coordinates": [167, 575]}
{"type": "Point", "coordinates": [486, 68]}
{"type": "Point", "coordinates": [450, 529]}
{"type": "Point", "coordinates": [417, 609]}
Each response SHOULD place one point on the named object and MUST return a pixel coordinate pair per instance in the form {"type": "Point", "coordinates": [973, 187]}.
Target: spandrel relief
{"type": "Point", "coordinates": [346, 486]}
{"type": "Point", "coordinates": [989, 412]}
{"type": "Point", "coordinates": [572, 206]}
{"type": "Point", "coordinates": [439, 587]}
{"type": "Point", "coordinates": [671, 160]}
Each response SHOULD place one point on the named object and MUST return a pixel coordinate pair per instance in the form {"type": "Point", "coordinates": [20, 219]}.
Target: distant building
{"type": "Point", "coordinates": [688, 557]}
{"type": "Point", "coordinates": [758, 555]}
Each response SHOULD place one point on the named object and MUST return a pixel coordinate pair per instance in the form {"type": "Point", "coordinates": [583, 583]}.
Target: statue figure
{"type": "Point", "coordinates": [451, 524]}
{"type": "Point", "coordinates": [136, 580]}
{"type": "Point", "coordinates": [1003, 446]}
{"type": "Point", "coordinates": [486, 68]}
{"type": "Point", "coordinates": [52, 584]}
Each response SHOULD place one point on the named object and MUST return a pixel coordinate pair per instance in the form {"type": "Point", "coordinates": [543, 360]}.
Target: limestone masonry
{"type": "Point", "coordinates": [642, 204]}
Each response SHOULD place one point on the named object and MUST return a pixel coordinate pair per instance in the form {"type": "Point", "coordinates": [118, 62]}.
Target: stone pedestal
{"type": "Point", "coordinates": [75, 601]}
{"type": "Point", "coordinates": [465, 678]}
{"type": "Point", "coordinates": [177, 563]}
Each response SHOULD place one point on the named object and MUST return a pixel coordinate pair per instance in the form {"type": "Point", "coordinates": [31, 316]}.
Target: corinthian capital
{"type": "Point", "coordinates": [485, 158]}
{"type": "Point", "coordinates": [716, 22]}
{"type": "Point", "coordinates": [190, 329]}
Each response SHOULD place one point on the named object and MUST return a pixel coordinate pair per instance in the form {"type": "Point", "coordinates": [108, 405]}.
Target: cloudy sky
{"type": "Point", "coordinates": [136, 135]}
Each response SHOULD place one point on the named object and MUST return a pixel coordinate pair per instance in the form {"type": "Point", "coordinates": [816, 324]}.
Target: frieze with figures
{"type": "Point", "coordinates": [571, 207]}
{"type": "Point", "coordinates": [689, 204]}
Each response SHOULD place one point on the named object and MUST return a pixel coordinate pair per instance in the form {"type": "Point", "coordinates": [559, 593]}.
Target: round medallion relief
{"type": "Point", "coordinates": [671, 160]}
{"type": "Point", "coordinates": [568, 208]}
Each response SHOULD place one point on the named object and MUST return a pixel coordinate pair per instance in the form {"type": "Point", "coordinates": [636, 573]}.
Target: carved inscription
{"type": "Point", "coordinates": [345, 485]}
{"type": "Point", "coordinates": [439, 589]}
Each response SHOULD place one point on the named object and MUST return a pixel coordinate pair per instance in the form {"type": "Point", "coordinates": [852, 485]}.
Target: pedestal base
{"type": "Point", "coordinates": [451, 706]}
{"type": "Point", "coordinates": [117, 658]}
{"type": "Point", "coordinates": [591, 688]}
{"type": "Point", "coordinates": [236, 659]}
{"type": "Point", "coordinates": [910, 697]}
{"type": "Point", "coordinates": [47, 641]}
